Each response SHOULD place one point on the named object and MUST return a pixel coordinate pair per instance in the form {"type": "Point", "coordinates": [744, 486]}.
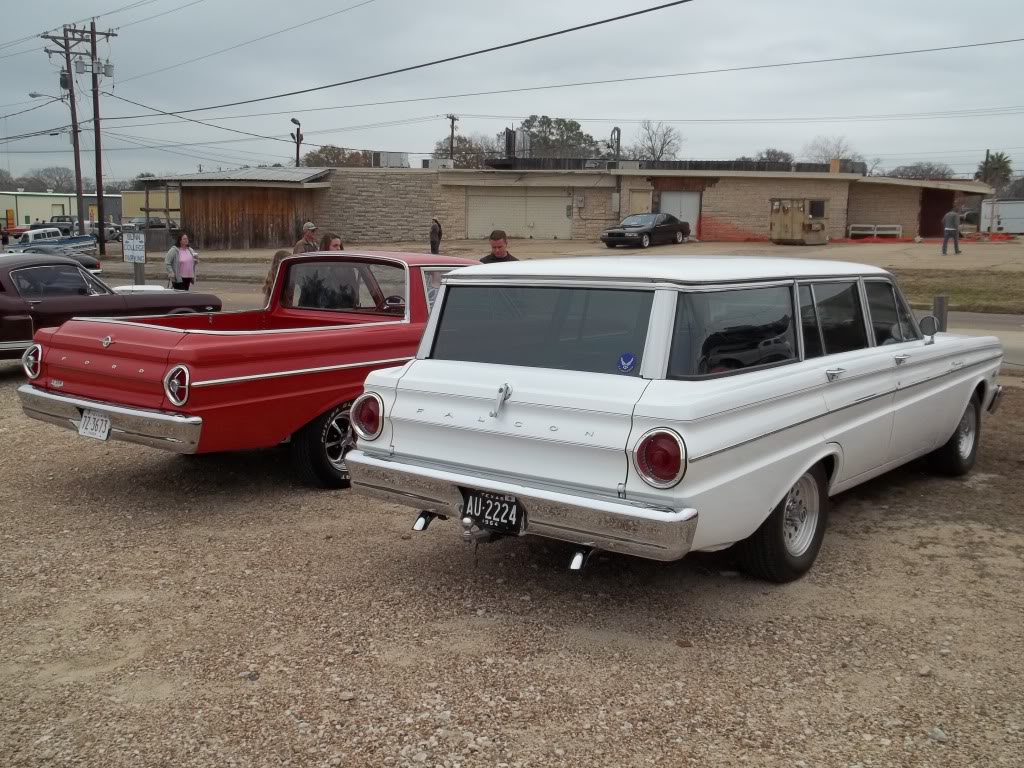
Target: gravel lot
{"type": "Point", "coordinates": [166, 611]}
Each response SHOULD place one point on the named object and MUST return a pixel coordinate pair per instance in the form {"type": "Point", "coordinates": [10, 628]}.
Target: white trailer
{"type": "Point", "coordinates": [1009, 216]}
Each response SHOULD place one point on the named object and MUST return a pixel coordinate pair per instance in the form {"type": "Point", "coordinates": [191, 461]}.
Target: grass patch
{"type": "Point", "coordinates": [968, 291]}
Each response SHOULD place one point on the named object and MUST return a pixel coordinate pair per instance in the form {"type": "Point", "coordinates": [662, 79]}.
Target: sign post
{"type": "Point", "coordinates": [133, 246]}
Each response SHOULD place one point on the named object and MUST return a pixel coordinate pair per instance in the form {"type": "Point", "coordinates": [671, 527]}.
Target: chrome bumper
{"type": "Point", "coordinates": [167, 431]}
{"type": "Point", "coordinates": [997, 399]}
{"type": "Point", "coordinates": [656, 533]}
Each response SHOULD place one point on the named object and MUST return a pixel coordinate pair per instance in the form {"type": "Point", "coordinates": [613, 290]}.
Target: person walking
{"type": "Point", "coordinates": [180, 263]}
{"type": "Point", "coordinates": [268, 284]}
{"type": "Point", "coordinates": [436, 233]}
{"type": "Point", "coordinates": [331, 242]}
{"type": "Point", "coordinates": [951, 230]}
{"type": "Point", "coordinates": [308, 242]}
{"type": "Point", "coordinates": [499, 249]}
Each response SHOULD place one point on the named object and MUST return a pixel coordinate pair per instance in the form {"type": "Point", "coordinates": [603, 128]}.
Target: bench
{"type": "Point", "coordinates": [876, 230]}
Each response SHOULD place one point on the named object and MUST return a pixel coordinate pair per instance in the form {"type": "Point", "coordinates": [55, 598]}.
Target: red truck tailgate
{"type": "Point", "coordinates": [117, 363]}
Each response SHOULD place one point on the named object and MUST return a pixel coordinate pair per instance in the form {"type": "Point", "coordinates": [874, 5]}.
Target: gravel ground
{"type": "Point", "coordinates": [166, 611]}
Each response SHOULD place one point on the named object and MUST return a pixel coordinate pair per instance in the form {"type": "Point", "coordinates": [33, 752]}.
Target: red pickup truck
{"type": "Point", "coordinates": [230, 381]}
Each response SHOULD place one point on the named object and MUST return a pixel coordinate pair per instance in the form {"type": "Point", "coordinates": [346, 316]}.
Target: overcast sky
{"type": "Point", "coordinates": [385, 34]}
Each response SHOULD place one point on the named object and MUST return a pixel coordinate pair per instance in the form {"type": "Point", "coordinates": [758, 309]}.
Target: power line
{"type": "Point", "coordinates": [30, 109]}
{"type": "Point", "coordinates": [158, 15]}
{"type": "Point", "coordinates": [193, 155]}
{"type": "Point", "coordinates": [244, 43]}
{"type": "Point", "coordinates": [130, 6]}
{"type": "Point", "coordinates": [445, 60]}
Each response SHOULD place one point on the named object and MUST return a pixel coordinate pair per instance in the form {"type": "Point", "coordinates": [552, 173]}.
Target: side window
{"type": "Point", "coordinates": [909, 330]}
{"type": "Point", "coordinates": [49, 282]}
{"type": "Point", "coordinates": [390, 281]}
{"type": "Point", "coordinates": [885, 321]}
{"type": "Point", "coordinates": [841, 317]}
{"type": "Point", "coordinates": [731, 330]}
{"type": "Point", "coordinates": [813, 346]}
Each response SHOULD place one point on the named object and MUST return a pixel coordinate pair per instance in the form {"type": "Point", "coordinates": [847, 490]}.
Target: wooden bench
{"type": "Point", "coordinates": [875, 230]}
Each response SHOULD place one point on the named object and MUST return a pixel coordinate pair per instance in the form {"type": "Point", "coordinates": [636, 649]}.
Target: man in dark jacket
{"type": "Point", "coordinates": [951, 231]}
{"type": "Point", "coordinates": [308, 242]}
{"type": "Point", "coordinates": [499, 249]}
{"type": "Point", "coordinates": [435, 236]}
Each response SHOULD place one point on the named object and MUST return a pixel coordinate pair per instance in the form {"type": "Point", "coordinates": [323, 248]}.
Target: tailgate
{"type": "Point", "coordinates": [115, 363]}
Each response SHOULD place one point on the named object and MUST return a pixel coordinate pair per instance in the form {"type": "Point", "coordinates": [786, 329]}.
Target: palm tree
{"type": "Point", "coordinates": [995, 170]}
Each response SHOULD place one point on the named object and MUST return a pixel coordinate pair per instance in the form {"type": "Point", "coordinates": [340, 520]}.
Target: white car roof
{"type": "Point", "coordinates": [677, 269]}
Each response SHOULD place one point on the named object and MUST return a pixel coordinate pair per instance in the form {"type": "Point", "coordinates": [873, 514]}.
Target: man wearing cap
{"type": "Point", "coordinates": [308, 242]}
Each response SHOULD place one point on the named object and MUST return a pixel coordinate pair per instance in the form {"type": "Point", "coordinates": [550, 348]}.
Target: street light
{"type": "Point", "coordinates": [297, 136]}
{"type": "Point", "coordinates": [37, 95]}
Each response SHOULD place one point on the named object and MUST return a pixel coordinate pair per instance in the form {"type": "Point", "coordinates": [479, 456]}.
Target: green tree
{"type": "Point", "coordinates": [996, 170]}
{"type": "Point", "coordinates": [558, 137]}
{"type": "Point", "coordinates": [330, 156]}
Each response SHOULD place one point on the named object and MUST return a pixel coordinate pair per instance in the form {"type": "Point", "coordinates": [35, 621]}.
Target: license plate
{"type": "Point", "coordinates": [493, 511]}
{"type": "Point", "coordinates": [94, 424]}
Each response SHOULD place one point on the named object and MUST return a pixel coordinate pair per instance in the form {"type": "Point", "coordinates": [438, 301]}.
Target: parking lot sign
{"type": "Point", "coordinates": [133, 246]}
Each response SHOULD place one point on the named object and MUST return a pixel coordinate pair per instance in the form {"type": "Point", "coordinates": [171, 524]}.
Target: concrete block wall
{"type": "Point", "coordinates": [739, 209]}
{"type": "Point", "coordinates": [451, 210]}
{"type": "Point", "coordinates": [885, 204]}
{"type": "Point", "coordinates": [596, 213]}
{"type": "Point", "coordinates": [380, 204]}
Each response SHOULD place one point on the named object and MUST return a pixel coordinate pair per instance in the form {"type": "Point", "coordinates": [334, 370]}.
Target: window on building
{"type": "Point", "coordinates": [816, 209]}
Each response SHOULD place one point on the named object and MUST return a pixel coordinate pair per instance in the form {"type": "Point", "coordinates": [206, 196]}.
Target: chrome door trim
{"type": "Point", "coordinates": [297, 372]}
{"type": "Point", "coordinates": [13, 345]}
{"type": "Point", "coordinates": [204, 332]}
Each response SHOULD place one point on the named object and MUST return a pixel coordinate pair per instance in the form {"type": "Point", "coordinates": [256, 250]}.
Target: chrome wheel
{"type": "Point", "coordinates": [801, 515]}
{"type": "Point", "coordinates": [679, 237]}
{"type": "Point", "coordinates": [645, 241]}
{"type": "Point", "coordinates": [338, 439]}
{"type": "Point", "coordinates": [966, 432]}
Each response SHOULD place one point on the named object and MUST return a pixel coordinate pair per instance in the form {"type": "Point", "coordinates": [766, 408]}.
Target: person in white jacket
{"type": "Point", "coordinates": [181, 262]}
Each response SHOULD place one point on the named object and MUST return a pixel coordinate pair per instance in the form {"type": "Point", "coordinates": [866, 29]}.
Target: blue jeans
{"type": "Point", "coordinates": [953, 234]}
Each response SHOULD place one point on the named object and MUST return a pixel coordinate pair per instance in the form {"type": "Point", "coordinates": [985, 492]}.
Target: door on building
{"type": "Point", "coordinates": [639, 201]}
{"type": "Point", "coordinates": [543, 213]}
{"type": "Point", "coordinates": [56, 209]}
{"type": "Point", "coordinates": [685, 206]}
{"type": "Point", "coordinates": [935, 203]}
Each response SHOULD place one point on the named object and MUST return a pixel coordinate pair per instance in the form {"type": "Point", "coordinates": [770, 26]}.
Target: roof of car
{"type": "Point", "coordinates": [676, 269]}
{"type": "Point", "coordinates": [412, 259]}
{"type": "Point", "coordinates": [16, 260]}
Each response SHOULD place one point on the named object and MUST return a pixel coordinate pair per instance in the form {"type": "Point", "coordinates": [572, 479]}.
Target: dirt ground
{"type": "Point", "coordinates": [168, 611]}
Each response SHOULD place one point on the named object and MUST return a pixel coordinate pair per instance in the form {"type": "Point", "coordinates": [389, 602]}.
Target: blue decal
{"type": "Point", "coordinates": [627, 362]}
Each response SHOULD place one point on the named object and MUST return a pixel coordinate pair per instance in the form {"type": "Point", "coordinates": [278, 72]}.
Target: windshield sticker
{"type": "Point", "coordinates": [627, 362]}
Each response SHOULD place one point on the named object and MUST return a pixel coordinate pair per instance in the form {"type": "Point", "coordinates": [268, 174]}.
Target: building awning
{"type": "Point", "coordinates": [278, 178]}
{"type": "Point", "coordinates": [954, 185]}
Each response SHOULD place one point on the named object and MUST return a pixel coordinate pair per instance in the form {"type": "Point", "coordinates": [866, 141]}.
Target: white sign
{"type": "Point", "coordinates": [133, 246]}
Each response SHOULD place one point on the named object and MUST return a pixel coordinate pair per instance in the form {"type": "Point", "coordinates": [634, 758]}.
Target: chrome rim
{"type": "Point", "coordinates": [801, 515]}
{"type": "Point", "coordinates": [967, 432]}
{"type": "Point", "coordinates": [679, 237]}
{"type": "Point", "coordinates": [338, 440]}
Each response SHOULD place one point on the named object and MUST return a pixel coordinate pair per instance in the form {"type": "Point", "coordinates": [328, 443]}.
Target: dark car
{"type": "Point", "coordinates": [39, 291]}
{"type": "Point", "coordinates": [87, 261]}
{"type": "Point", "coordinates": [644, 229]}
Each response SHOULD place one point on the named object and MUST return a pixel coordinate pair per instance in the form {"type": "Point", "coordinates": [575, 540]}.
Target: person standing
{"type": "Point", "coordinates": [308, 242]}
{"type": "Point", "coordinates": [268, 284]}
{"type": "Point", "coordinates": [951, 230]}
{"type": "Point", "coordinates": [436, 233]}
{"type": "Point", "coordinates": [180, 263]}
{"type": "Point", "coordinates": [499, 249]}
{"type": "Point", "coordinates": [331, 242]}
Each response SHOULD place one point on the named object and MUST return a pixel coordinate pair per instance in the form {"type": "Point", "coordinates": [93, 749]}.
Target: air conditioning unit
{"type": "Point", "coordinates": [632, 164]}
{"type": "Point", "coordinates": [443, 163]}
{"type": "Point", "coordinates": [591, 165]}
{"type": "Point", "coordinates": [389, 160]}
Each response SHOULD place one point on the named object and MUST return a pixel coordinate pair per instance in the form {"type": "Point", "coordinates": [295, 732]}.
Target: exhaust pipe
{"type": "Point", "coordinates": [580, 558]}
{"type": "Point", "coordinates": [424, 520]}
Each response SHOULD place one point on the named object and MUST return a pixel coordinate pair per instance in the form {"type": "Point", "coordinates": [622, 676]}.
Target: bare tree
{"type": "Point", "coordinates": [470, 151]}
{"type": "Point", "coordinates": [56, 177]}
{"type": "Point", "coordinates": [823, 149]}
{"type": "Point", "coordinates": [655, 141]}
{"type": "Point", "coordinates": [772, 155]}
{"type": "Point", "coordinates": [921, 170]}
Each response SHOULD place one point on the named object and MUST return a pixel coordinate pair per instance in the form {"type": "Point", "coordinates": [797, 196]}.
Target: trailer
{"type": "Point", "coordinates": [1009, 216]}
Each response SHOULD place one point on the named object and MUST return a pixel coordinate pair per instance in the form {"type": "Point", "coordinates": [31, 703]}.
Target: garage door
{"type": "Point", "coordinates": [685, 206]}
{"type": "Point", "coordinates": [544, 213]}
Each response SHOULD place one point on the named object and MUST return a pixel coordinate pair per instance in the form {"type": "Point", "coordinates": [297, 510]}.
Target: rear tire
{"type": "Point", "coordinates": [318, 449]}
{"type": "Point", "coordinates": [957, 456]}
{"type": "Point", "coordinates": [786, 545]}
{"type": "Point", "coordinates": [609, 245]}
{"type": "Point", "coordinates": [645, 241]}
{"type": "Point", "coordinates": [679, 236]}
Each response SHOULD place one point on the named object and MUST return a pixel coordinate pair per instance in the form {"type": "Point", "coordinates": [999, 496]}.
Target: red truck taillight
{"type": "Point", "coordinates": [176, 384]}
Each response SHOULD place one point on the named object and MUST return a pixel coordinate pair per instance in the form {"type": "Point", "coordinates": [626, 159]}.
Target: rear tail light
{"type": "Point", "coordinates": [176, 384]}
{"type": "Point", "coordinates": [32, 361]}
{"type": "Point", "coordinates": [367, 416]}
{"type": "Point", "coordinates": [660, 458]}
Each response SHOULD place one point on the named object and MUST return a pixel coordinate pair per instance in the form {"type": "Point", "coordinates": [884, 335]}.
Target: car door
{"type": "Point", "coordinates": [662, 229]}
{"type": "Point", "coordinates": [57, 292]}
{"type": "Point", "coordinates": [859, 379]}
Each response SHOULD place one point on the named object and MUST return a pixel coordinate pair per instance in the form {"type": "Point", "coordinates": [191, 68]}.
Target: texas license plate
{"type": "Point", "coordinates": [94, 424]}
{"type": "Point", "coordinates": [493, 511]}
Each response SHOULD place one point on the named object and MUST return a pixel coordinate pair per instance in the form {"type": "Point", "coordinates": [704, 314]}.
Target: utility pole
{"type": "Point", "coordinates": [451, 141]}
{"type": "Point", "coordinates": [101, 229]}
{"type": "Point", "coordinates": [65, 45]}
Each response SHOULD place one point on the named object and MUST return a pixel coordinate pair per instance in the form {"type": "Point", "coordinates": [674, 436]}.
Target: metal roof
{"type": "Point", "coordinates": [265, 175]}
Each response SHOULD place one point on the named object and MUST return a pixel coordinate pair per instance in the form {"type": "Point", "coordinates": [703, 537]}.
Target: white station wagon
{"type": "Point", "coordinates": [658, 406]}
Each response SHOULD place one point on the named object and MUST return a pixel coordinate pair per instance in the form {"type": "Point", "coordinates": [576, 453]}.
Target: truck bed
{"type": "Point", "coordinates": [261, 320]}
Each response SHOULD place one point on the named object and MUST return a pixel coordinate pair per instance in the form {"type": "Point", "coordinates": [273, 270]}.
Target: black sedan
{"type": "Point", "coordinates": [87, 261]}
{"type": "Point", "coordinates": [644, 229]}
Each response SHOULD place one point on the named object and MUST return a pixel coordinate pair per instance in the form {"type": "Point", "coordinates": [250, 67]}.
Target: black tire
{"type": "Point", "coordinates": [645, 240]}
{"type": "Point", "coordinates": [772, 554]}
{"type": "Point", "coordinates": [679, 236]}
{"type": "Point", "coordinates": [957, 456]}
{"type": "Point", "coordinates": [609, 245]}
{"type": "Point", "coordinates": [318, 455]}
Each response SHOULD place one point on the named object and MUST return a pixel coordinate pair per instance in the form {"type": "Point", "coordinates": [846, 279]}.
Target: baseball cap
{"type": "Point", "coordinates": [308, 226]}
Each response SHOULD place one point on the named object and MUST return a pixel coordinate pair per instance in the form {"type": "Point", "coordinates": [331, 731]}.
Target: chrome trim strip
{"type": "Point", "coordinates": [297, 372]}
{"type": "Point", "coordinates": [664, 282]}
{"type": "Point", "coordinates": [203, 332]}
{"type": "Point", "coordinates": [15, 345]}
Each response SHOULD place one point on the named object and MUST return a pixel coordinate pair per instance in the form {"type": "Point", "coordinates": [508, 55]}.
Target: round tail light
{"type": "Point", "coordinates": [660, 458]}
{"type": "Point", "coordinates": [367, 418]}
{"type": "Point", "coordinates": [32, 361]}
{"type": "Point", "coordinates": [176, 384]}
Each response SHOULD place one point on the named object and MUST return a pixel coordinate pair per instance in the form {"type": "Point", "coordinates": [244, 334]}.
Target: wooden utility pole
{"type": "Point", "coordinates": [65, 45]}
{"type": "Point", "coordinates": [451, 140]}
{"type": "Point", "coordinates": [101, 234]}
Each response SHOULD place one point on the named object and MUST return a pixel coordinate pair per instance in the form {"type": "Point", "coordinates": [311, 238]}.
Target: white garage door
{"type": "Point", "coordinates": [544, 213]}
{"type": "Point", "coordinates": [685, 206]}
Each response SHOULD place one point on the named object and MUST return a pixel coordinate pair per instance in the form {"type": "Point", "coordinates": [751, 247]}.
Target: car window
{"type": "Point", "coordinates": [432, 282]}
{"type": "Point", "coordinates": [341, 286]}
{"type": "Point", "coordinates": [60, 280]}
{"type": "Point", "coordinates": [731, 330]}
{"type": "Point", "coordinates": [907, 325]}
{"type": "Point", "coordinates": [661, 218]}
{"type": "Point", "coordinates": [596, 330]}
{"type": "Point", "coordinates": [841, 317]}
{"type": "Point", "coordinates": [813, 344]}
{"type": "Point", "coordinates": [638, 220]}
{"type": "Point", "coordinates": [670, 219]}
{"type": "Point", "coordinates": [882, 308]}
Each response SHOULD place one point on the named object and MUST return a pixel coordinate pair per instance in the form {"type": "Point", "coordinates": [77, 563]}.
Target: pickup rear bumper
{"type": "Point", "coordinates": [156, 429]}
{"type": "Point", "coordinates": [614, 525]}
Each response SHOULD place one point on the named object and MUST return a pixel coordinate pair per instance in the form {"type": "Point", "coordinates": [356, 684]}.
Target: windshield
{"type": "Point", "coordinates": [596, 330]}
{"type": "Point", "coordinates": [639, 220]}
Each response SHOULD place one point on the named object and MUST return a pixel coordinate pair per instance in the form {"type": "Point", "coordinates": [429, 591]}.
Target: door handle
{"type": "Point", "coordinates": [901, 359]}
{"type": "Point", "coordinates": [957, 363]}
{"type": "Point", "coordinates": [834, 373]}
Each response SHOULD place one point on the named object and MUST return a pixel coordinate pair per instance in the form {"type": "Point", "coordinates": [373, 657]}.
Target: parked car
{"type": "Point", "coordinates": [645, 229]}
{"type": "Point", "coordinates": [139, 223]}
{"type": "Point", "coordinates": [41, 292]}
{"type": "Point", "coordinates": [89, 262]}
{"type": "Point", "coordinates": [585, 400]}
{"type": "Point", "coordinates": [242, 380]}
{"type": "Point", "coordinates": [53, 236]}
{"type": "Point", "coordinates": [67, 224]}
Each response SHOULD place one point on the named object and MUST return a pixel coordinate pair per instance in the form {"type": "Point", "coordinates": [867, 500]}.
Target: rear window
{"type": "Point", "coordinates": [595, 330]}
{"type": "Point", "coordinates": [345, 287]}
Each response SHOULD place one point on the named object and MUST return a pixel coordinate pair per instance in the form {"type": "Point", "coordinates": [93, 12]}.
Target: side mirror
{"type": "Point", "coordinates": [929, 326]}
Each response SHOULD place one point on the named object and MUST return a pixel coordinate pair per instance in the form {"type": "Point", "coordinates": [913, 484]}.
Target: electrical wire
{"type": "Point", "coordinates": [30, 109]}
{"type": "Point", "coordinates": [157, 16]}
{"type": "Point", "coordinates": [193, 155]}
{"type": "Point", "coordinates": [130, 6]}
